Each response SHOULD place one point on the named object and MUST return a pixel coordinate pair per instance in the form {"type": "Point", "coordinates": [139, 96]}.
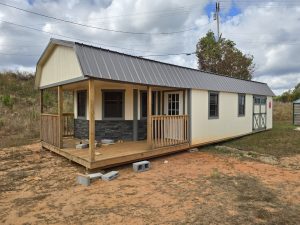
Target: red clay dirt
{"type": "Point", "coordinates": [38, 187]}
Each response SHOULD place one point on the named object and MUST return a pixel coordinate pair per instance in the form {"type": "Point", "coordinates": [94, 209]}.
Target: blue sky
{"type": "Point", "coordinates": [232, 11]}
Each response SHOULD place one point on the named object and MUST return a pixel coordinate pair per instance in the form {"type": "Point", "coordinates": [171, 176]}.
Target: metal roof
{"type": "Point", "coordinates": [110, 65]}
{"type": "Point", "coordinates": [297, 101]}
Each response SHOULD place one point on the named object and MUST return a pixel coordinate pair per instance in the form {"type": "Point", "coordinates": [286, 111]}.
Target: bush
{"type": "Point", "coordinates": [7, 101]}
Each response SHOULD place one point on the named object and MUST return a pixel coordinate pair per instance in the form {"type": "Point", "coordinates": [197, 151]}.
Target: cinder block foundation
{"type": "Point", "coordinates": [141, 166]}
{"type": "Point", "coordinates": [83, 179]}
{"type": "Point", "coordinates": [110, 176]}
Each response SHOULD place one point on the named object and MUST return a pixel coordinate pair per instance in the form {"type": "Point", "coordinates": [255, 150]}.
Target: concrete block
{"type": "Point", "coordinates": [141, 166]}
{"type": "Point", "coordinates": [193, 150]}
{"type": "Point", "coordinates": [83, 179]}
{"type": "Point", "coordinates": [107, 141]}
{"type": "Point", "coordinates": [82, 146]}
{"type": "Point", "coordinates": [110, 176]}
{"type": "Point", "coordinates": [93, 176]}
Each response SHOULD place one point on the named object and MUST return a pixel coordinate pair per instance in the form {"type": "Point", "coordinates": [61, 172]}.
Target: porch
{"type": "Point", "coordinates": [111, 155]}
{"type": "Point", "coordinates": [165, 132]}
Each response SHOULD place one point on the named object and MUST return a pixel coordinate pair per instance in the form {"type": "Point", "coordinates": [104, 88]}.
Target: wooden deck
{"type": "Point", "coordinates": [111, 155]}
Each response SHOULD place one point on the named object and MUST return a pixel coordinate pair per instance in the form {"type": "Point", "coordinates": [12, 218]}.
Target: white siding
{"type": "Point", "coordinates": [61, 65]}
{"type": "Point", "coordinates": [229, 124]}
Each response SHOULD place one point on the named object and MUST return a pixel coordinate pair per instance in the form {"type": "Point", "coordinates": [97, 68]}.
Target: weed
{"type": "Point", "coordinates": [7, 101]}
{"type": "Point", "coordinates": [215, 174]}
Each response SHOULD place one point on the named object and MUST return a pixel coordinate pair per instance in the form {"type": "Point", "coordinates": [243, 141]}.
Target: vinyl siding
{"type": "Point", "coordinates": [61, 65]}
{"type": "Point", "coordinates": [227, 125]}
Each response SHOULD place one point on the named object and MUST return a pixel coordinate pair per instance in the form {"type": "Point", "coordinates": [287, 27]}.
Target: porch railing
{"type": "Point", "coordinates": [50, 129]}
{"type": "Point", "coordinates": [168, 130]}
{"type": "Point", "coordinates": [68, 124]}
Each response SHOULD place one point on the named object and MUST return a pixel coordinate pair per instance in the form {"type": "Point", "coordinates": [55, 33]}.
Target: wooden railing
{"type": "Point", "coordinates": [68, 123]}
{"type": "Point", "coordinates": [169, 130]}
{"type": "Point", "coordinates": [50, 129]}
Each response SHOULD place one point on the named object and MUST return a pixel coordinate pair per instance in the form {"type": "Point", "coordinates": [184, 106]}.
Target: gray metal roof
{"type": "Point", "coordinates": [110, 65]}
{"type": "Point", "coordinates": [106, 64]}
{"type": "Point", "coordinates": [297, 101]}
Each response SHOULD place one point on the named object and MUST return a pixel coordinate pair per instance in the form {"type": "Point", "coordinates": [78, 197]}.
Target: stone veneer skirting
{"type": "Point", "coordinates": [110, 129]}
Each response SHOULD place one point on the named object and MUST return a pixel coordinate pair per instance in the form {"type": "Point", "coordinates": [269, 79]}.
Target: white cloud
{"type": "Point", "coordinates": [268, 31]}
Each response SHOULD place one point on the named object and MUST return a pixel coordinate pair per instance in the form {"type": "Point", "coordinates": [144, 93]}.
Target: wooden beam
{"type": "Point", "coordinates": [91, 120]}
{"type": "Point", "coordinates": [41, 112]}
{"type": "Point", "coordinates": [60, 112]}
{"type": "Point", "coordinates": [149, 110]}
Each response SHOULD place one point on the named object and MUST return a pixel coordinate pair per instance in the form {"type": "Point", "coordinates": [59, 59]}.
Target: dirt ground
{"type": "Point", "coordinates": [38, 187]}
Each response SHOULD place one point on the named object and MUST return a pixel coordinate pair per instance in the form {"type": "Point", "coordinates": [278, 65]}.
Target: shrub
{"type": "Point", "coordinates": [7, 101]}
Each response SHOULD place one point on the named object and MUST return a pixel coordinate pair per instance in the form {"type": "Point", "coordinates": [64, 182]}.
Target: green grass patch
{"type": "Point", "coordinates": [282, 140]}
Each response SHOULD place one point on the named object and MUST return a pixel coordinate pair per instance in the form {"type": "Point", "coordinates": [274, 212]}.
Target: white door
{"type": "Point", "coordinates": [259, 112]}
{"type": "Point", "coordinates": [173, 103]}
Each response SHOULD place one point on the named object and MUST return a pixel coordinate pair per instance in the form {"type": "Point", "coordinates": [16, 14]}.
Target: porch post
{"type": "Point", "coordinates": [60, 115]}
{"type": "Point", "coordinates": [149, 110]}
{"type": "Point", "coordinates": [41, 112]}
{"type": "Point", "coordinates": [91, 120]}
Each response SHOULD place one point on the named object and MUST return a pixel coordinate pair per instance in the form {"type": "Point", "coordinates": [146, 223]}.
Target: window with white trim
{"type": "Point", "coordinates": [173, 104]}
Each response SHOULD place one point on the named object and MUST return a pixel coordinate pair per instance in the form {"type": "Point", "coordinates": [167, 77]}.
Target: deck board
{"type": "Point", "coordinates": [111, 155]}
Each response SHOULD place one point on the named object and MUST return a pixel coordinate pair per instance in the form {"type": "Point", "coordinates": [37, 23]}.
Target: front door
{"type": "Point", "coordinates": [173, 103]}
{"type": "Point", "coordinates": [259, 113]}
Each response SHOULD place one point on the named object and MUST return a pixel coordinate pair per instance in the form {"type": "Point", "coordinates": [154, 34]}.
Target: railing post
{"type": "Point", "coordinates": [91, 120]}
{"type": "Point", "coordinates": [149, 110]}
{"type": "Point", "coordinates": [60, 116]}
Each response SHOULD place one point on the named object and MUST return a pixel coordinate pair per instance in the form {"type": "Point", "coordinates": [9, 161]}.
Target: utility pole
{"type": "Point", "coordinates": [217, 17]}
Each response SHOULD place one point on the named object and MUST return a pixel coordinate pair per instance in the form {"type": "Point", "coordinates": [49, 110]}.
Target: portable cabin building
{"type": "Point", "coordinates": [296, 112]}
{"type": "Point", "coordinates": [150, 108]}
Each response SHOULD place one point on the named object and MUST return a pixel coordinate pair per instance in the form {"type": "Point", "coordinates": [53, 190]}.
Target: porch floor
{"type": "Point", "coordinates": [111, 155]}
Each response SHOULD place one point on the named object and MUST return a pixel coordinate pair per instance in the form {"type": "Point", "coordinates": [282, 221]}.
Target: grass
{"type": "Point", "coordinates": [282, 140]}
{"type": "Point", "coordinates": [19, 117]}
{"type": "Point", "coordinates": [20, 110]}
{"type": "Point", "coordinates": [282, 111]}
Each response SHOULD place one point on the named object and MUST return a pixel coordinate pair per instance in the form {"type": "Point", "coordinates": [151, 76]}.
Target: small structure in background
{"type": "Point", "coordinates": [296, 112]}
{"type": "Point", "coordinates": [141, 166]}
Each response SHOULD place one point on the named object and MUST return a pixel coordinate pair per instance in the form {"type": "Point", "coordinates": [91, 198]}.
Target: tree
{"type": "Point", "coordinates": [222, 57]}
{"type": "Point", "coordinates": [290, 95]}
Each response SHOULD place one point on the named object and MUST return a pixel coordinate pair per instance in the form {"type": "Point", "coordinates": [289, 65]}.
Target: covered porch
{"type": "Point", "coordinates": [161, 113]}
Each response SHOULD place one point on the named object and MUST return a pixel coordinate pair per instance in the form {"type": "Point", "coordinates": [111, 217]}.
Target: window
{"type": "Point", "coordinates": [113, 104]}
{"type": "Point", "coordinates": [260, 100]}
{"type": "Point", "coordinates": [173, 104]}
{"type": "Point", "coordinates": [81, 104]}
{"type": "Point", "coordinates": [242, 104]}
{"type": "Point", "coordinates": [213, 102]}
{"type": "Point", "coordinates": [144, 104]}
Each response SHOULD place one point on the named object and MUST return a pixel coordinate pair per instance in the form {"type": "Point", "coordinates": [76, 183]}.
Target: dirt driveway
{"type": "Point", "coordinates": [37, 187]}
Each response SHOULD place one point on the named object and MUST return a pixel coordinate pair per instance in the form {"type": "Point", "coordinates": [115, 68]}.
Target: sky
{"type": "Point", "coordinates": [267, 29]}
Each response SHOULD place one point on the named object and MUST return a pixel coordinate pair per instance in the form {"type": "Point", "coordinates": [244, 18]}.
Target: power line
{"type": "Point", "coordinates": [72, 38]}
{"type": "Point", "coordinates": [94, 27]}
{"type": "Point", "coordinates": [157, 54]}
{"type": "Point", "coordinates": [3, 53]}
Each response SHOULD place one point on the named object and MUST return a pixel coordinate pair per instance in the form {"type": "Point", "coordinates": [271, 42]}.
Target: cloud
{"type": "Point", "coordinates": [269, 31]}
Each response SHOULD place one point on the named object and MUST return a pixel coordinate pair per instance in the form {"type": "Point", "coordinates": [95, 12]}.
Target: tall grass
{"type": "Point", "coordinates": [19, 114]}
{"type": "Point", "coordinates": [282, 111]}
{"type": "Point", "coordinates": [20, 110]}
